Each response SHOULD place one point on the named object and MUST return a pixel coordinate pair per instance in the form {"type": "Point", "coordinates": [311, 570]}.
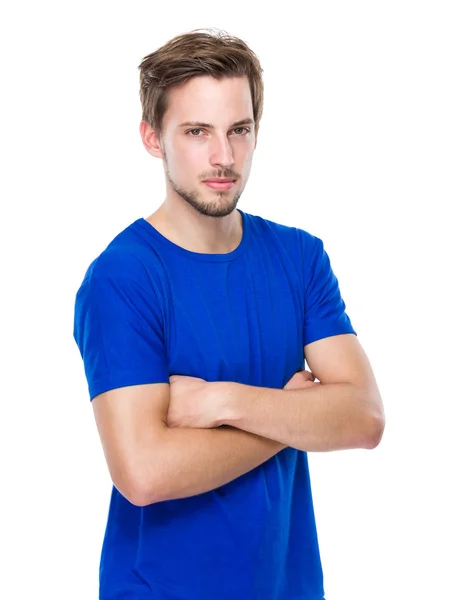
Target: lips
{"type": "Point", "coordinates": [220, 184]}
{"type": "Point", "coordinates": [220, 180]}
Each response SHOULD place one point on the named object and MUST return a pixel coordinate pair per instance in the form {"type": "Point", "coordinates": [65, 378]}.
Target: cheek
{"type": "Point", "coordinates": [247, 159]}
{"type": "Point", "coordinates": [185, 160]}
{"type": "Point", "coordinates": [192, 154]}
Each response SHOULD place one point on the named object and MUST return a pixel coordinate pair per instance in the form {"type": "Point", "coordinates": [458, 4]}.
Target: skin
{"type": "Point", "coordinates": [193, 215]}
{"type": "Point", "coordinates": [193, 402]}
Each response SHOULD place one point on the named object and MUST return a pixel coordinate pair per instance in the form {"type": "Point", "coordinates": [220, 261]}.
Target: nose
{"type": "Point", "coordinates": [221, 152]}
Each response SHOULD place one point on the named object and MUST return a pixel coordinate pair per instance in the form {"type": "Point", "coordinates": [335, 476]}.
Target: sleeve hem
{"type": "Point", "coordinates": [123, 379]}
{"type": "Point", "coordinates": [327, 331]}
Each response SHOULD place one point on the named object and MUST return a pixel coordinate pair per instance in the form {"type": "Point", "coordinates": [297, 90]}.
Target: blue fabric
{"type": "Point", "coordinates": [148, 309]}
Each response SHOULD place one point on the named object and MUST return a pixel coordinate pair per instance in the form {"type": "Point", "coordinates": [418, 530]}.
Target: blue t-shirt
{"type": "Point", "coordinates": [147, 309]}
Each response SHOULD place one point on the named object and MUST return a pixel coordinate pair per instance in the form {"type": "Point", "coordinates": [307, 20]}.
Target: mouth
{"type": "Point", "coordinates": [220, 185]}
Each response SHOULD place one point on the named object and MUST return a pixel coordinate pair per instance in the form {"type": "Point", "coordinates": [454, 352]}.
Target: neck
{"type": "Point", "coordinates": [188, 228]}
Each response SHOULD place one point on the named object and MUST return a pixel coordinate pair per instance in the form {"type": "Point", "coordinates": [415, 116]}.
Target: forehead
{"type": "Point", "coordinates": [207, 99]}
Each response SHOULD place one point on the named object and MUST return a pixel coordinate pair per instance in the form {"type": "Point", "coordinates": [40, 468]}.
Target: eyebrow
{"type": "Point", "coordinates": [200, 124]}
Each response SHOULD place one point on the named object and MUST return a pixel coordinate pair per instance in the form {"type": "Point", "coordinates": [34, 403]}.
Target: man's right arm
{"type": "Point", "coordinates": [150, 462]}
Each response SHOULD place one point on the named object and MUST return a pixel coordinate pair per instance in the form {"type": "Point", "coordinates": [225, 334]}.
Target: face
{"type": "Point", "coordinates": [216, 145]}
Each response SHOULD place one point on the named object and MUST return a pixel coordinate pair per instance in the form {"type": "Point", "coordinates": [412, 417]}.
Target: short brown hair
{"type": "Point", "coordinates": [190, 55]}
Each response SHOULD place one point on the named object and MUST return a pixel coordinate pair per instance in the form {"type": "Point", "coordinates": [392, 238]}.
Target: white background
{"type": "Point", "coordinates": [360, 144]}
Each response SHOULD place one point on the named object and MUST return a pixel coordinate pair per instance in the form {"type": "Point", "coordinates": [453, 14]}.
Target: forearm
{"type": "Point", "coordinates": [335, 416]}
{"type": "Point", "coordinates": [193, 461]}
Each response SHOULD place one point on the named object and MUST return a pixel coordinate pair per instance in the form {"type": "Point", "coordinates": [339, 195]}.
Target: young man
{"type": "Point", "coordinates": [193, 325]}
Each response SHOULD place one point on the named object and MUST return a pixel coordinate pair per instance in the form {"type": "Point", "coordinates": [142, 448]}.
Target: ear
{"type": "Point", "coordinates": [150, 140]}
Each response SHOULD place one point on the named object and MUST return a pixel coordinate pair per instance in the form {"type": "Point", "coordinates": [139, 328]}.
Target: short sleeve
{"type": "Point", "coordinates": [118, 328]}
{"type": "Point", "coordinates": [324, 309]}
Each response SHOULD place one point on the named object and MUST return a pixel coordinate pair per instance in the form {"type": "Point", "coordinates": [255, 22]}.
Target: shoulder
{"type": "Point", "coordinates": [126, 257]}
{"type": "Point", "coordinates": [121, 285]}
{"type": "Point", "coordinates": [300, 241]}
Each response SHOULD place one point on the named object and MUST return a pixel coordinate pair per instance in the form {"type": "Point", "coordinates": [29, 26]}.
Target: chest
{"type": "Point", "coordinates": [236, 321]}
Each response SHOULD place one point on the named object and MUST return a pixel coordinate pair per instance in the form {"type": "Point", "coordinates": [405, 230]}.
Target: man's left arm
{"type": "Point", "coordinates": [345, 411]}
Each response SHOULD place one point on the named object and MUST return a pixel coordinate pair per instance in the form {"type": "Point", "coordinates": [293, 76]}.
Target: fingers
{"type": "Point", "coordinates": [307, 375]}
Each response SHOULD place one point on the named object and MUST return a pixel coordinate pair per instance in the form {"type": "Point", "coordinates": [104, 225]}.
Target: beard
{"type": "Point", "coordinates": [222, 206]}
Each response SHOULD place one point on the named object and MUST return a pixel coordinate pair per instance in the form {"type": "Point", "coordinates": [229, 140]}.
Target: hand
{"type": "Point", "coordinates": [301, 379]}
{"type": "Point", "coordinates": [192, 403]}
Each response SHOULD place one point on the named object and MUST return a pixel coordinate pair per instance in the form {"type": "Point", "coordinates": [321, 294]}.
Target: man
{"type": "Point", "coordinates": [193, 325]}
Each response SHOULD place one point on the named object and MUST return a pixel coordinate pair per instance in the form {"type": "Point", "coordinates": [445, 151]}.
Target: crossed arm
{"type": "Point", "coordinates": [194, 455]}
{"type": "Point", "coordinates": [344, 412]}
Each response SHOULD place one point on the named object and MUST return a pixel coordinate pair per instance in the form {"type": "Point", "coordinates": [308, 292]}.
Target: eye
{"type": "Point", "coordinates": [245, 129]}
{"type": "Point", "coordinates": [190, 130]}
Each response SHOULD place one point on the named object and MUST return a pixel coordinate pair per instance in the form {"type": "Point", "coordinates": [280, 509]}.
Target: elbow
{"type": "Point", "coordinates": [140, 497]}
{"type": "Point", "coordinates": [133, 494]}
{"type": "Point", "coordinates": [140, 491]}
{"type": "Point", "coordinates": [374, 419]}
{"type": "Point", "coordinates": [137, 498]}
{"type": "Point", "coordinates": [374, 431]}
{"type": "Point", "coordinates": [148, 480]}
{"type": "Point", "coordinates": [144, 495]}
